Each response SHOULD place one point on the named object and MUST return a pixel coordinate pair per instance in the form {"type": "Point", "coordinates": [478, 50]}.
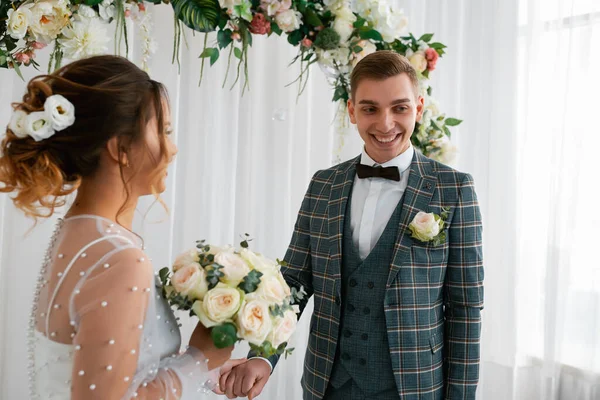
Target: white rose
{"type": "Point", "coordinates": [61, 112]}
{"type": "Point", "coordinates": [446, 150]}
{"type": "Point", "coordinates": [273, 288]}
{"type": "Point", "coordinates": [254, 320]}
{"type": "Point", "coordinates": [283, 328]}
{"type": "Point", "coordinates": [38, 125]}
{"type": "Point", "coordinates": [190, 256]}
{"type": "Point", "coordinates": [190, 281]}
{"type": "Point", "coordinates": [234, 267]}
{"type": "Point", "coordinates": [219, 305]}
{"type": "Point", "coordinates": [343, 23]}
{"type": "Point", "coordinates": [106, 10]}
{"type": "Point", "coordinates": [389, 21]}
{"type": "Point", "coordinates": [18, 22]}
{"type": "Point", "coordinates": [367, 48]}
{"type": "Point", "coordinates": [48, 19]}
{"type": "Point", "coordinates": [418, 61]}
{"type": "Point", "coordinates": [425, 226]}
{"type": "Point", "coordinates": [18, 123]}
{"type": "Point", "coordinates": [288, 20]}
{"type": "Point", "coordinates": [214, 250]}
{"type": "Point", "coordinates": [259, 262]}
{"type": "Point", "coordinates": [86, 11]}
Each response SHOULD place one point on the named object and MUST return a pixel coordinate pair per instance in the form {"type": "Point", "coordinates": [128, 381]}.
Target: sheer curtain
{"type": "Point", "coordinates": [523, 74]}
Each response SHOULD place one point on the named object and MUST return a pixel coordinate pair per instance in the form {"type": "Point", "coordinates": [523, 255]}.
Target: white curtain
{"type": "Point", "coordinates": [522, 74]}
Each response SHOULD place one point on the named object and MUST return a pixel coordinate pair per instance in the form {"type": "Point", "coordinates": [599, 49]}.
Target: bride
{"type": "Point", "coordinates": [99, 328]}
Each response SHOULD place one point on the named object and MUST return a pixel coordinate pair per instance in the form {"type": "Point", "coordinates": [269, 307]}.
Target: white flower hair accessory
{"type": "Point", "coordinates": [58, 114]}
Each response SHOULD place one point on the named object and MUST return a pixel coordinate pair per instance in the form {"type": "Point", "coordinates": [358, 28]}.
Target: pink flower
{"type": "Point", "coordinates": [236, 36]}
{"type": "Point", "coordinates": [38, 45]}
{"type": "Point", "coordinates": [142, 7]}
{"type": "Point", "coordinates": [127, 13]}
{"type": "Point", "coordinates": [432, 56]}
{"type": "Point", "coordinates": [260, 25]}
{"type": "Point", "coordinates": [306, 42]}
{"type": "Point", "coordinates": [22, 58]}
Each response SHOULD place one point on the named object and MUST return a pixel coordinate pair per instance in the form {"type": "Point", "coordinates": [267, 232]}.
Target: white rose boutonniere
{"type": "Point", "coordinates": [429, 227]}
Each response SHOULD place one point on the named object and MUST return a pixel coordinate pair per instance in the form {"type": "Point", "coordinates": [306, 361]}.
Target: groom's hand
{"type": "Point", "coordinates": [247, 379]}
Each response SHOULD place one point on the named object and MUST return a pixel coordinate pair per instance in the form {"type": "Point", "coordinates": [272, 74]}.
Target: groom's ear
{"type": "Point", "coordinates": [351, 111]}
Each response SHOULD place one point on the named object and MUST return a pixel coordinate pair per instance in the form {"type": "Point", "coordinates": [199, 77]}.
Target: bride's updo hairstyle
{"type": "Point", "coordinates": [109, 96]}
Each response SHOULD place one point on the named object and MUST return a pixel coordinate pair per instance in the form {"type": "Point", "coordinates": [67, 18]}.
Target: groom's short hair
{"type": "Point", "coordinates": [382, 65]}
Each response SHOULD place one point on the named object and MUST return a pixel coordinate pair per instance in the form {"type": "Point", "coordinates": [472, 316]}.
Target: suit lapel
{"type": "Point", "coordinates": [422, 183]}
{"type": "Point", "coordinates": [336, 214]}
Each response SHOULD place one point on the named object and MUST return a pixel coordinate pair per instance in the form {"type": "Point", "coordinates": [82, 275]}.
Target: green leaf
{"type": "Point", "coordinates": [212, 53]}
{"type": "Point", "coordinates": [224, 335]}
{"type": "Point", "coordinates": [425, 73]}
{"type": "Point", "coordinates": [359, 23]}
{"type": "Point", "coordinates": [224, 38]}
{"type": "Point", "coordinates": [340, 94]}
{"type": "Point", "coordinates": [92, 3]}
{"type": "Point", "coordinates": [357, 49]}
{"type": "Point", "coordinates": [371, 34]}
{"type": "Point", "coordinates": [437, 46]}
{"type": "Point", "coordinates": [295, 37]}
{"type": "Point", "coordinates": [164, 275]}
{"type": "Point", "coordinates": [18, 69]}
{"type": "Point", "coordinates": [251, 281]}
{"type": "Point", "coordinates": [213, 275]}
{"type": "Point", "coordinates": [429, 91]}
{"type": "Point", "coordinates": [237, 52]}
{"type": "Point", "coordinates": [426, 37]}
{"type": "Point", "coordinates": [312, 18]}
{"type": "Point", "coordinates": [447, 131]}
{"type": "Point", "coordinates": [453, 121]}
{"type": "Point", "coordinates": [10, 44]}
{"type": "Point", "coordinates": [276, 29]}
{"type": "Point", "coordinates": [199, 15]}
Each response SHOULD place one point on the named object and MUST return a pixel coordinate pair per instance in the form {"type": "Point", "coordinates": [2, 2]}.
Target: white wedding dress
{"type": "Point", "coordinates": [100, 329]}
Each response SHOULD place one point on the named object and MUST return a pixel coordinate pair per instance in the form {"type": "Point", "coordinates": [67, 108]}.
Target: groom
{"type": "Point", "coordinates": [394, 317]}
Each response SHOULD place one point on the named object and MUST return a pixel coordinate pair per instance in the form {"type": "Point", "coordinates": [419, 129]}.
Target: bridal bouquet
{"type": "Point", "coordinates": [239, 294]}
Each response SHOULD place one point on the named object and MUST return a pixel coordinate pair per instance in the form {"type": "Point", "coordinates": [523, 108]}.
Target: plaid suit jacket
{"type": "Point", "coordinates": [434, 294]}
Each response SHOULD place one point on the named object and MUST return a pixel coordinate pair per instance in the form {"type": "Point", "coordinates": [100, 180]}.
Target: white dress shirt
{"type": "Point", "coordinates": [374, 200]}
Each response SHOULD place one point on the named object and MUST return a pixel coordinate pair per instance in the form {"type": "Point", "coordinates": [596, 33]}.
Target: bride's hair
{"type": "Point", "coordinates": [112, 98]}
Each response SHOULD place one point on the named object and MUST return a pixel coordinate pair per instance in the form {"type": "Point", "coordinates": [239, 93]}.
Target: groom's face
{"type": "Point", "coordinates": [385, 113]}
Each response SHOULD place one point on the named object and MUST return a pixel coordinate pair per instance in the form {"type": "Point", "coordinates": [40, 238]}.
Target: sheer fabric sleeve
{"type": "Point", "coordinates": [116, 338]}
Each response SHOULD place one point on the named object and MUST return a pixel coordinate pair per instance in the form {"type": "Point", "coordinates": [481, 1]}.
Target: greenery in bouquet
{"type": "Point", "coordinates": [237, 293]}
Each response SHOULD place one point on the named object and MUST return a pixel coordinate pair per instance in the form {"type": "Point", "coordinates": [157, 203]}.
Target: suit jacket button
{"type": "Point", "coordinates": [353, 282]}
{"type": "Point", "coordinates": [364, 336]}
{"type": "Point", "coordinates": [351, 308]}
{"type": "Point", "coordinates": [347, 333]}
{"type": "Point", "coordinates": [362, 361]}
{"type": "Point", "coordinates": [371, 285]}
{"type": "Point", "coordinates": [346, 357]}
{"type": "Point", "coordinates": [367, 310]}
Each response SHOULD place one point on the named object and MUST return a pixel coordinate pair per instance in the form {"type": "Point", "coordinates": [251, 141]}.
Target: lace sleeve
{"type": "Point", "coordinates": [116, 338]}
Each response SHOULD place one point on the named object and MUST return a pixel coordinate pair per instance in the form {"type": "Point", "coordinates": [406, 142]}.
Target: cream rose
{"type": "Point", "coordinates": [48, 19]}
{"type": "Point", "coordinates": [259, 262]}
{"type": "Point", "coordinates": [273, 288]}
{"type": "Point", "coordinates": [254, 320]}
{"type": "Point", "coordinates": [288, 20]}
{"type": "Point", "coordinates": [283, 328]}
{"type": "Point", "coordinates": [190, 281]}
{"type": "Point", "coordinates": [219, 305]}
{"type": "Point", "coordinates": [425, 226]}
{"type": "Point", "coordinates": [61, 112]}
{"type": "Point", "coordinates": [418, 61]}
{"type": "Point", "coordinates": [234, 267]}
{"type": "Point", "coordinates": [190, 256]}
{"type": "Point", "coordinates": [18, 22]}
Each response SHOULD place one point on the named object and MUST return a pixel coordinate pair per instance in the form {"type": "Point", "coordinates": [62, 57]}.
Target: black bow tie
{"type": "Point", "coordinates": [365, 171]}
